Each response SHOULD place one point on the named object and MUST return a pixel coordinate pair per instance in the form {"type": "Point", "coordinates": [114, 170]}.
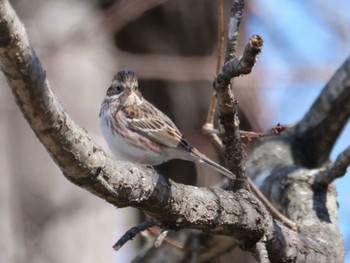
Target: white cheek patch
{"type": "Point", "coordinates": [115, 96]}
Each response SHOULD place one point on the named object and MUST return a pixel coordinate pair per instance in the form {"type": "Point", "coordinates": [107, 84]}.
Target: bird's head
{"type": "Point", "coordinates": [124, 90]}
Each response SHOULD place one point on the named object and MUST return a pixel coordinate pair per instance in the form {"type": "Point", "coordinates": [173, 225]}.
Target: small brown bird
{"type": "Point", "coordinates": [137, 131]}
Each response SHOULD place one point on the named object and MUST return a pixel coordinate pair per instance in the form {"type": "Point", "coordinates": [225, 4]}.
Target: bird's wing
{"type": "Point", "coordinates": [151, 123]}
{"type": "Point", "coordinates": [154, 125]}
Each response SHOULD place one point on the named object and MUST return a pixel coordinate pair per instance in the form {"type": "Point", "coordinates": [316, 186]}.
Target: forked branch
{"type": "Point", "coordinates": [336, 169]}
{"type": "Point", "coordinates": [236, 214]}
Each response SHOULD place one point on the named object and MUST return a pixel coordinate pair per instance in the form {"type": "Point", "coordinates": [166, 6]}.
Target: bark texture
{"type": "Point", "coordinates": [284, 167]}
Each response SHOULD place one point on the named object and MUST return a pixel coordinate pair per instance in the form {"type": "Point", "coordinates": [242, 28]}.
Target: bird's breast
{"type": "Point", "coordinates": [128, 145]}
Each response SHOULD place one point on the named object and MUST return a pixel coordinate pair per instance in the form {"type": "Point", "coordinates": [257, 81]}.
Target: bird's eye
{"type": "Point", "coordinates": [114, 90]}
{"type": "Point", "coordinates": [118, 89]}
{"type": "Point", "coordinates": [136, 88]}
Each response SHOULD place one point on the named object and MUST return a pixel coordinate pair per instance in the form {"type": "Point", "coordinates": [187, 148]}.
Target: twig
{"type": "Point", "coordinates": [273, 211]}
{"type": "Point", "coordinates": [131, 233]}
{"type": "Point", "coordinates": [233, 27]}
{"type": "Point", "coordinates": [208, 127]}
{"type": "Point", "coordinates": [220, 51]}
{"type": "Point", "coordinates": [174, 243]}
{"type": "Point", "coordinates": [260, 251]}
{"type": "Point", "coordinates": [336, 169]}
{"type": "Point", "coordinates": [244, 65]}
{"type": "Point", "coordinates": [248, 135]}
{"type": "Point", "coordinates": [160, 238]}
{"type": "Point", "coordinates": [163, 236]}
{"type": "Point", "coordinates": [251, 134]}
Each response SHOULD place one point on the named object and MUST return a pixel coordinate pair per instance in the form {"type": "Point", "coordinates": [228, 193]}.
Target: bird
{"type": "Point", "coordinates": [136, 131]}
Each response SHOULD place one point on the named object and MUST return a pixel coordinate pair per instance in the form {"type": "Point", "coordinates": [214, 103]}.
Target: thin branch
{"type": "Point", "coordinates": [159, 240]}
{"type": "Point", "coordinates": [233, 27]}
{"type": "Point", "coordinates": [260, 252]}
{"type": "Point", "coordinates": [273, 211]}
{"type": "Point", "coordinates": [242, 66]}
{"type": "Point", "coordinates": [322, 124]}
{"type": "Point", "coordinates": [162, 235]}
{"type": "Point", "coordinates": [336, 169]}
{"type": "Point", "coordinates": [228, 110]}
{"type": "Point", "coordinates": [340, 165]}
{"type": "Point", "coordinates": [235, 67]}
{"type": "Point", "coordinates": [221, 37]}
{"type": "Point", "coordinates": [208, 127]}
{"type": "Point", "coordinates": [131, 233]}
{"type": "Point", "coordinates": [229, 122]}
{"type": "Point", "coordinates": [249, 135]}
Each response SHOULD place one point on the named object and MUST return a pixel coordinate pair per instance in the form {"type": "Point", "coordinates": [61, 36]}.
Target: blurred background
{"type": "Point", "coordinates": [171, 45]}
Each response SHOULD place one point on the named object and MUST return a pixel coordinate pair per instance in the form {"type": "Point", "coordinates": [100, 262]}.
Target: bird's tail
{"type": "Point", "coordinates": [201, 158]}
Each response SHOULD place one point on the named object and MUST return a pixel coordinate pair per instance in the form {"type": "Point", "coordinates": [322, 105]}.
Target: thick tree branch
{"type": "Point", "coordinates": [321, 126]}
{"type": "Point", "coordinates": [122, 184]}
{"type": "Point", "coordinates": [294, 192]}
{"type": "Point", "coordinates": [236, 214]}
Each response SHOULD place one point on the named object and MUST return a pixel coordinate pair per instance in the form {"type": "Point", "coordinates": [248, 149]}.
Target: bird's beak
{"type": "Point", "coordinates": [131, 97]}
{"type": "Point", "coordinates": [128, 91]}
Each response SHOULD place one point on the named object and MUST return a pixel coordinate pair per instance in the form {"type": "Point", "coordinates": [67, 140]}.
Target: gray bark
{"type": "Point", "coordinates": [277, 164]}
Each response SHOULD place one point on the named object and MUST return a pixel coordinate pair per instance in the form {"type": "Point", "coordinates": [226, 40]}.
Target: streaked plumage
{"type": "Point", "coordinates": [137, 131]}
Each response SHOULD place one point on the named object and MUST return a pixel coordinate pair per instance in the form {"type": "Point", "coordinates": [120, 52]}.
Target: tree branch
{"type": "Point", "coordinates": [208, 127]}
{"type": "Point", "coordinates": [131, 233]}
{"type": "Point", "coordinates": [294, 192]}
{"type": "Point", "coordinates": [228, 114]}
{"type": "Point", "coordinates": [322, 124]}
{"type": "Point", "coordinates": [336, 169]}
{"type": "Point", "coordinates": [236, 214]}
{"type": "Point", "coordinates": [119, 183]}
{"type": "Point", "coordinates": [236, 15]}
